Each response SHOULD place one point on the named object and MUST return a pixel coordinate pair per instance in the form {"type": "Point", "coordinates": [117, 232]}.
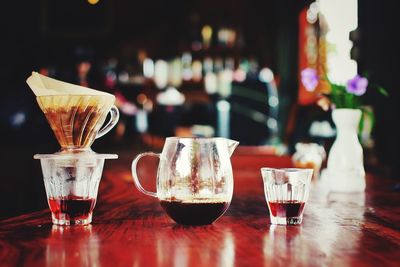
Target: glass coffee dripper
{"type": "Point", "coordinates": [72, 175]}
{"type": "Point", "coordinates": [194, 178]}
{"type": "Point", "coordinates": [76, 119]}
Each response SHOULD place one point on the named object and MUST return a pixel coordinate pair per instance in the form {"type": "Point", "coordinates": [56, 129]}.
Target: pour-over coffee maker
{"type": "Point", "coordinates": [74, 113]}
{"type": "Point", "coordinates": [72, 175]}
{"type": "Point", "coordinates": [76, 119]}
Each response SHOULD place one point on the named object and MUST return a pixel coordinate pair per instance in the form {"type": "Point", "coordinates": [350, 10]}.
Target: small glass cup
{"type": "Point", "coordinates": [286, 192]}
{"type": "Point", "coordinates": [71, 182]}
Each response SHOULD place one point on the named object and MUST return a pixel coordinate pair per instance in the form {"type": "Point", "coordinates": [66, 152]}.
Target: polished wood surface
{"type": "Point", "coordinates": [131, 229]}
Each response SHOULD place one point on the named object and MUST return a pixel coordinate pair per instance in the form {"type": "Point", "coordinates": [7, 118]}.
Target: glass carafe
{"type": "Point", "coordinates": [194, 178]}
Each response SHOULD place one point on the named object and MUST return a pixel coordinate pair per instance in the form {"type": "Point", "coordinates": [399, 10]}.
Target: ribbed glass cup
{"type": "Point", "coordinates": [71, 181]}
{"type": "Point", "coordinates": [286, 191]}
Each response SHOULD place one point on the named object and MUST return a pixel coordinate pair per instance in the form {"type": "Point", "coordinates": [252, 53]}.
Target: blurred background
{"type": "Point", "coordinates": [226, 68]}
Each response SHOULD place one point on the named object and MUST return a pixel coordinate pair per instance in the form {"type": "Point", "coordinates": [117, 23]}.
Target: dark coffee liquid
{"type": "Point", "coordinates": [194, 213]}
{"type": "Point", "coordinates": [71, 207]}
{"type": "Point", "coordinates": [289, 208]}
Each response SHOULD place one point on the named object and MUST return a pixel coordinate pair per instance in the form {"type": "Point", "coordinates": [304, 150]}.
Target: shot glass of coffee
{"type": "Point", "coordinates": [72, 182]}
{"type": "Point", "coordinates": [286, 191]}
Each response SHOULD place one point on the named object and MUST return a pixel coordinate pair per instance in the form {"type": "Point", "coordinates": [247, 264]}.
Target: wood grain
{"type": "Point", "coordinates": [131, 229]}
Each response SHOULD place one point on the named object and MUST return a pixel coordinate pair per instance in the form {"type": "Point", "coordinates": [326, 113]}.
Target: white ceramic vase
{"type": "Point", "coordinates": [345, 167]}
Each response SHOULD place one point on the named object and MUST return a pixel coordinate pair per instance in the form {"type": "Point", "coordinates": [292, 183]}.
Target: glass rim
{"type": "Point", "coordinates": [107, 95]}
{"type": "Point", "coordinates": [288, 170]}
{"type": "Point", "coordinates": [70, 156]}
{"type": "Point", "coordinates": [196, 137]}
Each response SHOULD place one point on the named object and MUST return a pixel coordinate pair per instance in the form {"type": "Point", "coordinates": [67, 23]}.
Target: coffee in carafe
{"type": "Point", "coordinates": [194, 178]}
{"type": "Point", "coordinates": [195, 212]}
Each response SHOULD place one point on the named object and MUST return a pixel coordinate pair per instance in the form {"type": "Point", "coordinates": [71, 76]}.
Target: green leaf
{"type": "Point", "coordinates": [366, 74]}
{"type": "Point", "coordinates": [361, 125]}
{"type": "Point", "coordinates": [383, 91]}
{"type": "Point", "coordinates": [366, 113]}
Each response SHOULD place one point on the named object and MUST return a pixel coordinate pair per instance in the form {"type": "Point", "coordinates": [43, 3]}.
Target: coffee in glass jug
{"type": "Point", "coordinates": [194, 178]}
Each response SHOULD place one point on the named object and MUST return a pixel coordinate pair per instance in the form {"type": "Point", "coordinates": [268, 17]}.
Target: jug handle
{"type": "Point", "coordinates": [114, 117]}
{"type": "Point", "coordinates": [135, 175]}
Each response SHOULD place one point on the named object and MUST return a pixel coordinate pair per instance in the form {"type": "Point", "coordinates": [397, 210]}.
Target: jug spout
{"type": "Point", "coordinates": [232, 144]}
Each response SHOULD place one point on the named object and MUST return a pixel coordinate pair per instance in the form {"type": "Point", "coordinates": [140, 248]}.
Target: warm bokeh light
{"type": "Point", "coordinates": [93, 2]}
{"type": "Point", "coordinates": [206, 32]}
{"type": "Point", "coordinates": [141, 99]}
{"type": "Point", "coordinates": [197, 68]}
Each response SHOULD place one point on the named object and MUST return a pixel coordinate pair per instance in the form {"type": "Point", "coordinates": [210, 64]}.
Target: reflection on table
{"type": "Point", "coordinates": [132, 229]}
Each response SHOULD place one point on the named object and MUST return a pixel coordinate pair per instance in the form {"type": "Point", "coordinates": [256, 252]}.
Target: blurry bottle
{"type": "Point", "coordinates": [225, 83]}
{"type": "Point", "coordinates": [148, 68]}
{"type": "Point", "coordinates": [161, 74]}
{"type": "Point", "coordinates": [197, 70]}
{"type": "Point", "coordinates": [229, 63]}
{"type": "Point", "coordinates": [175, 72]}
{"type": "Point", "coordinates": [187, 66]}
{"type": "Point", "coordinates": [207, 65]}
{"type": "Point", "coordinates": [210, 83]}
{"type": "Point", "coordinates": [218, 64]}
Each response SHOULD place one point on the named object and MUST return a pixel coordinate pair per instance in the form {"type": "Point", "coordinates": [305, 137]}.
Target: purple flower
{"type": "Point", "coordinates": [309, 78]}
{"type": "Point", "coordinates": [357, 85]}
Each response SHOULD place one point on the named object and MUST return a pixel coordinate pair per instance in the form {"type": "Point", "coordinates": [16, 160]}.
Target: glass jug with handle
{"type": "Point", "coordinates": [194, 178]}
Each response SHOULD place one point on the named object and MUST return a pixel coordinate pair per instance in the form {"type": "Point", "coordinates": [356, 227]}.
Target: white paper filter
{"type": "Point", "coordinates": [44, 86]}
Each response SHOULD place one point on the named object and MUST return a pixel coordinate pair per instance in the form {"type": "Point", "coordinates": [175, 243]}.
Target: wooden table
{"type": "Point", "coordinates": [131, 229]}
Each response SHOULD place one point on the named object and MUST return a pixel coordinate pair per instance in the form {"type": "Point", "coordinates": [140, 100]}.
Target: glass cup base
{"type": "Point", "coordinates": [286, 220]}
{"type": "Point", "coordinates": [80, 221]}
